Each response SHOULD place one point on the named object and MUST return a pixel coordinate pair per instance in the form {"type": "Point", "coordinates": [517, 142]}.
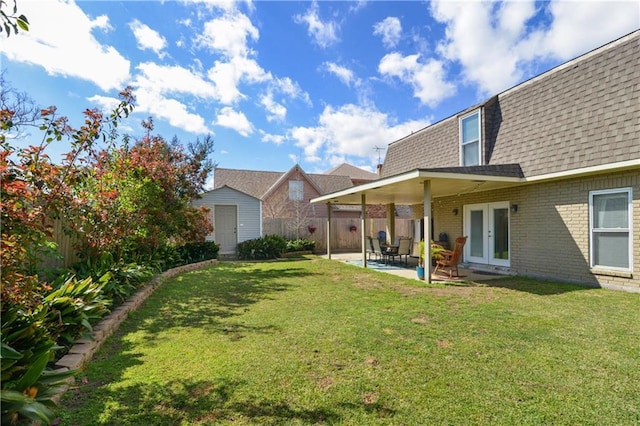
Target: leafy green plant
{"type": "Point", "coordinates": [198, 251]}
{"type": "Point", "coordinates": [301, 244]}
{"type": "Point", "coordinates": [27, 385]}
{"type": "Point", "coordinates": [73, 306]}
{"type": "Point", "coordinates": [436, 252]}
{"type": "Point", "coordinates": [124, 277]}
{"type": "Point", "coordinates": [267, 247]}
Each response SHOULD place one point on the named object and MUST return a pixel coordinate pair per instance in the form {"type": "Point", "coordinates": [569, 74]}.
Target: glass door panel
{"type": "Point", "coordinates": [499, 234]}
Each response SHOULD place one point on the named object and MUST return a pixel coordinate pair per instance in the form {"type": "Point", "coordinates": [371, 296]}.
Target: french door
{"type": "Point", "coordinates": [487, 228]}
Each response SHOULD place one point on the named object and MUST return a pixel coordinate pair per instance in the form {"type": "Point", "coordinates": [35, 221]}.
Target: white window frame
{"type": "Point", "coordinates": [628, 229]}
{"type": "Point", "coordinates": [477, 112]}
{"type": "Point", "coordinates": [296, 190]}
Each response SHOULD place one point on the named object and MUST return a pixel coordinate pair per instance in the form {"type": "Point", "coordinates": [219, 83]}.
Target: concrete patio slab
{"type": "Point", "coordinates": [409, 270]}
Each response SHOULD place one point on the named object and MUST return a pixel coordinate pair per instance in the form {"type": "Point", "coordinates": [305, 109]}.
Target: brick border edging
{"type": "Point", "coordinates": [83, 350]}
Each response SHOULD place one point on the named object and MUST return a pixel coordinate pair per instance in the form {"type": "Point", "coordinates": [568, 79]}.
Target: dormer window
{"type": "Point", "coordinates": [470, 140]}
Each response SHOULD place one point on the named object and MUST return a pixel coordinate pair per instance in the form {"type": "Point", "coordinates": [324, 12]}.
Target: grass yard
{"type": "Point", "coordinates": [321, 342]}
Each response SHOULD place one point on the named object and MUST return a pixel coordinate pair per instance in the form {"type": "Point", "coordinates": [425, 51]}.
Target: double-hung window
{"type": "Point", "coordinates": [610, 229]}
{"type": "Point", "coordinates": [296, 190]}
{"type": "Point", "coordinates": [470, 139]}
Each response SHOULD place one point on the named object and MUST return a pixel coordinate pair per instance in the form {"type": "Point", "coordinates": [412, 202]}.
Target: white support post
{"type": "Point", "coordinates": [329, 230]}
{"type": "Point", "coordinates": [427, 230]}
{"type": "Point", "coordinates": [363, 223]}
{"type": "Point", "coordinates": [391, 223]}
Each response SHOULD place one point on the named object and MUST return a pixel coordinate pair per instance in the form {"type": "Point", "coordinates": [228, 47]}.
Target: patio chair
{"type": "Point", "coordinates": [404, 249]}
{"type": "Point", "coordinates": [450, 259]}
{"type": "Point", "coordinates": [369, 246]}
{"type": "Point", "coordinates": [377, 250]}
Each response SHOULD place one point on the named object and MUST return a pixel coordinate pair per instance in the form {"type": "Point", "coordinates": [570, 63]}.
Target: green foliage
{"type": "Point", "coordinates": [72, 306]}
{"type": "Point", "coordinates": [124, 277]}
{"type": "Point", "coordinates": [27, 385]}
{"type": "Point", "coordinates": [12, 21]}
{"type": "Point", "coordinates": [301, 244]}
{"type": "Point", "coordinates": [194, 252]}
{"type": "Point", "coordinates": [267, 247]}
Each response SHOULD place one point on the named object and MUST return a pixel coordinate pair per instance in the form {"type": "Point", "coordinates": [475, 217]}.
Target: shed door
{"type": "Point", "coordinates": [226, 226]}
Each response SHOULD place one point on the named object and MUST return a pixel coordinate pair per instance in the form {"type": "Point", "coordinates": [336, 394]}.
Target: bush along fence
{"type": "Point", "coordinates": [345, 232]}
{"type": "Point", "coordinates": [272, 247]}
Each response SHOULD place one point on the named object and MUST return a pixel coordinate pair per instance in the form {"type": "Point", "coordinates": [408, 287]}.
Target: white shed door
{"type": "Point", "coordinates": [226, 226]}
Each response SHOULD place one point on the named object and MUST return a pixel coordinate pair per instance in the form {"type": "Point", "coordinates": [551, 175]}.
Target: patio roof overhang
{"type": "Point", "coordinates": [408, 188]}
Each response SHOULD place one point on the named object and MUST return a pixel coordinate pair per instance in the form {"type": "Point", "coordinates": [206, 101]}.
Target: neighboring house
{"type": "Point", "coordinates": [242, 199]}
{"type": "Point", "coordinates": [236, 217]}
{"type": "Point", "coordinates": [544, 178]}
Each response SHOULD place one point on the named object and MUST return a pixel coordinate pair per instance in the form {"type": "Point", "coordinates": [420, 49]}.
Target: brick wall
{"type": "Point", "coordinates": [550, 230]}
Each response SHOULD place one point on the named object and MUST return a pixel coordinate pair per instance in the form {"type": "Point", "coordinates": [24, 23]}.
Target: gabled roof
{"type": "Point", "coordinates": [353, 172]}
{"type": "Point", "coordinates": [297, 170]}
{"type": "Point", "coordinates": [259, 183]}
{"type": "Point", "coordinates": [228, 187]}
{"type": "Point", "coordinates": [582, 114]}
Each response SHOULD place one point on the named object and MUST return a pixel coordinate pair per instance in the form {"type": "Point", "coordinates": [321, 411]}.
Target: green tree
{"type": "Point", "coordinates": [11, 20]}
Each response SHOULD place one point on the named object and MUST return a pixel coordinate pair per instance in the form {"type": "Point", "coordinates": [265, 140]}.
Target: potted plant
{"type": "Point", "coordinates": [436, 253]}
{"type": "Point", "coordinates": [420, 267]}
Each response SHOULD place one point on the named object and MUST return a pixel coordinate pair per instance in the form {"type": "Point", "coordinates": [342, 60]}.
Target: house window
{"type": "Point", "coordinates": [296, 190]}
{"type": "Point", "coordinates": [610, 229]}
{"type": "Point", "coordinates": [470, 140]}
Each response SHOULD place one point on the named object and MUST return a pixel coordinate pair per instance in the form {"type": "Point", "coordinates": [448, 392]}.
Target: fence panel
{"type": "Point", "coordinates": [342, 237]}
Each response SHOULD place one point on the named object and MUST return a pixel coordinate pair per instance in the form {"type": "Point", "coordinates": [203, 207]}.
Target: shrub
{"type": "Point", "coordinates": [72, 306]}
{"type": "Point", "coordinates": [198, 251]}
{"type": "Point", "coordinates": [268, 247]}
{"type": "Point", "coordinates": [301, 244]}
{"type": "Point", "coordinates": [27, 385]}
{"type": "Point", "coordinates": [125, 277]}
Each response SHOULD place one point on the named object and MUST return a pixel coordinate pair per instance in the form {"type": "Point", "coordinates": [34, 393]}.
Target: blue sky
{"type": "Point", "coordinates": [283, 82]}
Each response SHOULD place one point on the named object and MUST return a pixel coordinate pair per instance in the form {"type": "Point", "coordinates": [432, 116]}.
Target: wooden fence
{"type": "Point", "coordinates": [343, 239]}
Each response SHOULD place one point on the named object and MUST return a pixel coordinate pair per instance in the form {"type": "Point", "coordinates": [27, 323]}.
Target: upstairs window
{"type": "Point", "coordinates": [470, 141]}
{"type": "Point", "coordinates": [610, 226]}
{"type": "Point", "coordinates": [296, 190]}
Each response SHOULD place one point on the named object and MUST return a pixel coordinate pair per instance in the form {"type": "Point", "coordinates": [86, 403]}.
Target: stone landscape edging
{"type": "Point", "coordinates": [83, 350]}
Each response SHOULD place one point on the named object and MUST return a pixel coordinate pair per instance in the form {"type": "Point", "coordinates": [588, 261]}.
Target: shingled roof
{"type": "Point", "coordinates": [584, 113]}
{"type": "Point", "coordinates": [257, 183]}
{"type": "Point", "coordinates": [355, 173]}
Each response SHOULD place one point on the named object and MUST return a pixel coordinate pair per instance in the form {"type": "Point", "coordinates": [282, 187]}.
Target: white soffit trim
{"type": "Point", "coordinates": [602, 168]}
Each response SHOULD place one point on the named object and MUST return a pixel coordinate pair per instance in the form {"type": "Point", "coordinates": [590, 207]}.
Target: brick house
{"type": "Point", "coordinates": [543, 178]}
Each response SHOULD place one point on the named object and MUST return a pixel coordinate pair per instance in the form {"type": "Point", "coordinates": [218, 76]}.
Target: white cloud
{"type": "Point", "coordinates": [148, 38]}
{"type": "Point", "coordinates": [275, 110]}
{"type": "Point", "coordinates": [270, 138]}
{"type": "Point", "coordinates": [67, 50]}
{"type": "Point", "coordinates": [105, 103]}
{"type": "Point", "coordinates": [350, 130]}
{"type": "Point", "coordinates": [426, 78]}
{"type": "Point", "coordinates": [324, 34]}
{"type": "Point", "coordinates": [171, 110]}
{"type": "Point", "coordinates": [390, 30]}
{"type": "Point", "coordinates": [344, 74]}
{"type": "Point", "coordinates": [291, 89]}
{"type": "Point", "coordinates": [493, 42]}
{"type": "Point", "coordinates": [228, 117]}
{"type": "Point", "coordinates": [228, 35]}
{"type": "Point", "coordinates": [575, 30]}
{"type": "Point", "coordinates": [228, 75]}
{"type": "Point", "coordinates": [173, 79]}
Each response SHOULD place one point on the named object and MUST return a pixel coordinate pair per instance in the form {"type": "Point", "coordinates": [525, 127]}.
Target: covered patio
{"type": "Point", "coordinates": [409, 270]}
{"type": "Point", "coordinates": [418, 187]}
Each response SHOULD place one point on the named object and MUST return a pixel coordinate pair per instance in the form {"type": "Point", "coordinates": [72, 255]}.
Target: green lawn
{"type": "Point", "coordinates": [321, 342]}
